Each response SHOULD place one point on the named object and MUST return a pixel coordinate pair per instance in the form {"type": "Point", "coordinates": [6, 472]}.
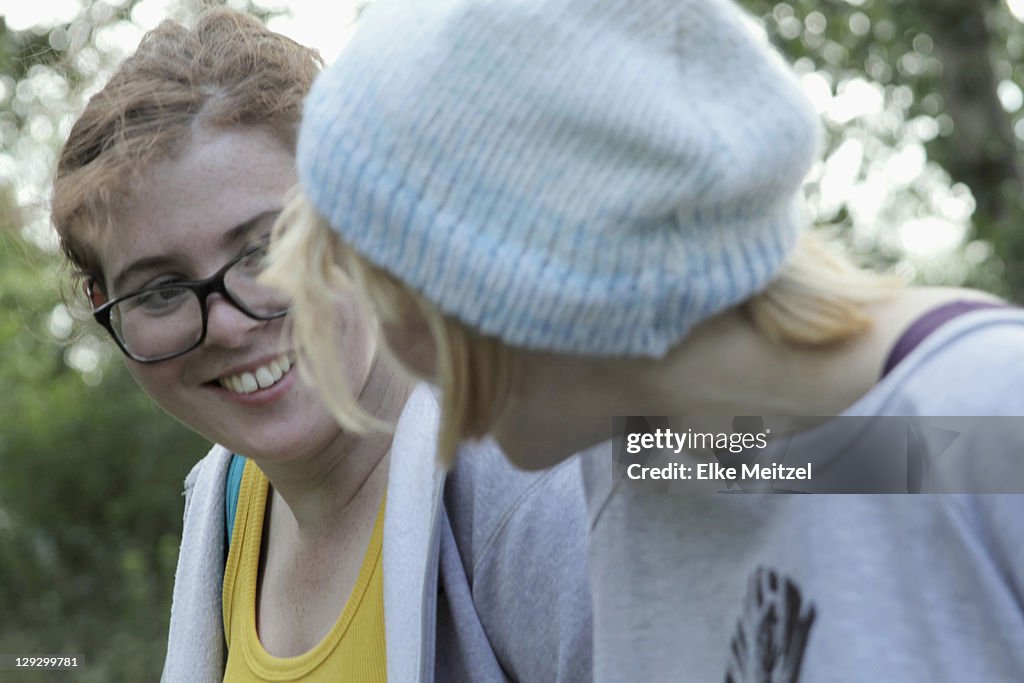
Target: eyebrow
{"type": "Point", "coordinates": [140, 266]}
{"type": "Point", "coordinates": [229, 238]}
{"type": "Point", "coordinates": [241, 231]}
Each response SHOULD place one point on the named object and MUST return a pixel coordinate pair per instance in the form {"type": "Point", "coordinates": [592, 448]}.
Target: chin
{"type": "Point", "coordinates": [277, 444]}
{"type": "Point", "coordinates": [532, 460]}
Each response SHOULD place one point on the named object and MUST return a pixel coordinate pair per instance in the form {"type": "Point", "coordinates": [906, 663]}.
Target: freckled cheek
{"type": "Point", "coordinates": [162, 382]}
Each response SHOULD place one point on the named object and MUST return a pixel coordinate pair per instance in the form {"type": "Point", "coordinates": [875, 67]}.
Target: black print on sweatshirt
{"type": "Point", "coordinates": [772, 632]}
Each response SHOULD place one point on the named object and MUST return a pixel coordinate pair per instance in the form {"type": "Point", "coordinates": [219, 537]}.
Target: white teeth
{"type": "Point", "coordinates": [264, 377]}
{"type": "Point", "coordinates": [276, 371]}
{"type": "Point", "coordinates": [248, 382]}
{"type": "Point", "coordinates": [260, 378]}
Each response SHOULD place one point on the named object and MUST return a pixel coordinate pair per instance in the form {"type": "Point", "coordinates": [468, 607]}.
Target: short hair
{"type": "Point", "coordinates": [818, 299]}
{"type": "Point", "coordinates": [228, 70]}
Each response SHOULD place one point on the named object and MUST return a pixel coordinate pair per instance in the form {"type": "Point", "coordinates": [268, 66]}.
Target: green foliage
{"type": "Point", "coordinates": [20, 50]}
{"type": "Point", "coordinates": [91, 470]}
{"type": "Point", "coordinates": [950, 76]}
{"type": "Point", "coordinates": [90, 503]}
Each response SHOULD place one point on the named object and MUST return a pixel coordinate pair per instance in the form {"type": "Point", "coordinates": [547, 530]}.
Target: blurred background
{"type": "Point", "coordinates": [921, 175]}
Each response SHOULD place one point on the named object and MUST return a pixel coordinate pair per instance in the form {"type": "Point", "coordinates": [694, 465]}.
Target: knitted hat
{"type": "Point", "coordinates": [583, 176]}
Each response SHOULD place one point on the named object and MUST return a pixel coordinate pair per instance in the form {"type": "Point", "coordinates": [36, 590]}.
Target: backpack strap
{"type": "Point", "coordinates": [234, 482]}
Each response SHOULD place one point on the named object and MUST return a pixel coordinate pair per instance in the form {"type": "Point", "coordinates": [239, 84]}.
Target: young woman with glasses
{"type": "Point", "coordinates": [351, 556]}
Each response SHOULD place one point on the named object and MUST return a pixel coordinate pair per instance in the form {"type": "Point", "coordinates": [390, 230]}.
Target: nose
{"type": "Point", "coordinates": [226, 325]}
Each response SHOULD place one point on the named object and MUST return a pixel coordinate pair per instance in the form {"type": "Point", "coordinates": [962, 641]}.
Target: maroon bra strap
{"type": "Point", "coordinates": [928, 323]}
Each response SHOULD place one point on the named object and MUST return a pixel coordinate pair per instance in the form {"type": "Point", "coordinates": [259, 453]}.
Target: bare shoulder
{"type": "Point", "coordinates": [866, 356]}
{"type": "Point", "coordinates": [893, 316]}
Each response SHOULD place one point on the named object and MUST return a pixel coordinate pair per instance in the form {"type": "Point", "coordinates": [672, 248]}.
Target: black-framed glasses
{"type": "Point", "coordinates": [167, 320]}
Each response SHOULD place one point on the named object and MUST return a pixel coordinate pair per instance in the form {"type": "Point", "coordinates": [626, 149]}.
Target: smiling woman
{"type": "Point", "coordinates": [350, 556]}
{"type": "Point", "coordinates": [235, 181]}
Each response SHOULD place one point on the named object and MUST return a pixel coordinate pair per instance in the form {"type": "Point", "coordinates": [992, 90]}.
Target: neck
{"type": "Point", "coordinates": [318, 492]}
{"type": "Point", "coordinates": [725, 367]}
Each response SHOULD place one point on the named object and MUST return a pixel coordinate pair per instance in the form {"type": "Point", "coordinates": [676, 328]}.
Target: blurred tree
{"type": "Point", "coordinates": [90, 480]}
{"type": "Point", "coordinates": [90, 470]}
{"type": "Point", "coordinates": [90, 502]}
{"type": "Point", "coordinates": [901, 77]}
{"type": "Point", "coordinates": [982, 150]}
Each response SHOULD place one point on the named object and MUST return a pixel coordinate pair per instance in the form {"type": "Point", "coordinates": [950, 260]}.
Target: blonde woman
{"type": "Point", "coordinates": [351, 557]}
{"type": "Point", "coordinates": [571, 210]}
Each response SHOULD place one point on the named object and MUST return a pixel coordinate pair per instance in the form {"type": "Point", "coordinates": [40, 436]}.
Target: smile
{"type": "Point", "coordinates": [262, 377]}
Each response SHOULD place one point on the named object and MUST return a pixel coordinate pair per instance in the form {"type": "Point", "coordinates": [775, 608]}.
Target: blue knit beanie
{"type": "Point", "coordinates": [582, 176]}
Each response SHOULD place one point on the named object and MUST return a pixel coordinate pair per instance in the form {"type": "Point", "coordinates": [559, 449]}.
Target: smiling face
{"type": "Point", "coordinates": [187, 218]}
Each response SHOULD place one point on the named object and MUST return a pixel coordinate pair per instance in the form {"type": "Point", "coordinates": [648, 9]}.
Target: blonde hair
{"type": "Point", "coordinates": [479, 368]}
{"type": "Point", "coordinates": [818, 299]}
{"type": "Point", "coordinates": [227, 71]}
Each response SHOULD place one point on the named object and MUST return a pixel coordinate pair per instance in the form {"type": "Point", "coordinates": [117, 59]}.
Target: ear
{"type": "Point", "coordinates": [94, 293]}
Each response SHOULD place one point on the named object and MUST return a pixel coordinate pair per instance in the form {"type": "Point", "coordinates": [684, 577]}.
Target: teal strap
{"type": "Point", "coordinates": [235, 469]}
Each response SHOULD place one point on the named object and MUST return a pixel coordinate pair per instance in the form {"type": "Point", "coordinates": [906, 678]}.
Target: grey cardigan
{"type": "Point", "coordinates": [485, 574]}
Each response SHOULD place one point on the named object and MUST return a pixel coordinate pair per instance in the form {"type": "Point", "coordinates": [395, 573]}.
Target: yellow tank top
{"type": "Point", "coordinates": [353, 650]}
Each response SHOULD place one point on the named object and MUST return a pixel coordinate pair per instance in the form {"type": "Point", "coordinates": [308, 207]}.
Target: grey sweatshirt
{"type": "Point", "coordinates": [826, 588]}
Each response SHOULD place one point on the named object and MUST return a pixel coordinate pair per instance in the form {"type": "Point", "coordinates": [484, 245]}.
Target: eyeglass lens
{"type": "Point", "coordinates": [169, 320]}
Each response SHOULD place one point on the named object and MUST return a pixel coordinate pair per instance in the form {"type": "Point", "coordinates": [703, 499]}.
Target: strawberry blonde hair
{"type": "Point", "coordinates": [227, 71]}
